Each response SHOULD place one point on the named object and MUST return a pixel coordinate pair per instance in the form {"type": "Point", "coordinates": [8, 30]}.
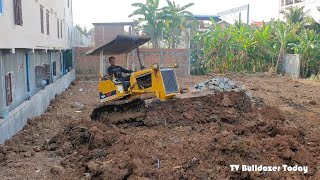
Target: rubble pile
{"type": "Point", "coordinates": [219, 85]}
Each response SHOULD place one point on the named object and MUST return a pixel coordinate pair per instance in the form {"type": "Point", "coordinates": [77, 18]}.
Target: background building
{"type": "Point", "coordinates": [310, 6]}
{"type": "Point", "coordinates": [291, 3]}
{"type": "Point", "coordinates": [36, 56]}
{"type": "Point", "coordinates": [35, 46]}
{"type": "Point", "coordinates": [37, 37]}
{"type": "Point", "coordinates": [105, 32]}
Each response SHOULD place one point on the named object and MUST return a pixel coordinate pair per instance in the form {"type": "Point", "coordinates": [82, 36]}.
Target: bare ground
{"type": "Point", "coordinates": [200, 139]}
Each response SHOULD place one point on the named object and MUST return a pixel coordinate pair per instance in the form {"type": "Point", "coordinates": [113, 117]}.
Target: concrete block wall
{"type": "Point", "coordinates": [36, 106]}
{"type": "Point", "coordinates": [16, 64]}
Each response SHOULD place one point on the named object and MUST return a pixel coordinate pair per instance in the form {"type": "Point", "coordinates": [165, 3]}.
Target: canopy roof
{"type": "Point", "coordinates": [207, 17]}
{"type": "Point", "coordinates": [120, 45]}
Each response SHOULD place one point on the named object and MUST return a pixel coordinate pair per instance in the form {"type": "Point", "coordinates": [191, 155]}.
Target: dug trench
{"type": "Point", "coordinates": [192, 138]}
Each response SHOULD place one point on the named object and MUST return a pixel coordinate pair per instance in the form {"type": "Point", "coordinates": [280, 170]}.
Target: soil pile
{"type": "Point", "coordinates": [189, 138]}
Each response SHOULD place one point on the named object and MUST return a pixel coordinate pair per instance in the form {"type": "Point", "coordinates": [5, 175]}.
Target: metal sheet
{"type": "Point", "coordinates": [120, 45]}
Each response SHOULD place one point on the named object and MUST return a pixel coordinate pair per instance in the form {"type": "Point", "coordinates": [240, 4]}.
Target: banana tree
{"type": "Point", "coordinates": [294, 15]}
{"type": "Point", "coordinates": [308, 46]}
{"type": "Point", "coordinates": [175, 21]}
{"type": "Point", "coordinates": [283, 34]}
{"type": "Point", "coordinates": [149, 19]}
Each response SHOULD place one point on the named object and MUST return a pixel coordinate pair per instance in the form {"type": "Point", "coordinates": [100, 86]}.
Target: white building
{"type": "Point", "coordinates": [36, 54]}
{"type": "Point", "coordinates": [310, 7]}
{"type": "Point", "coordinates": [35, 45]}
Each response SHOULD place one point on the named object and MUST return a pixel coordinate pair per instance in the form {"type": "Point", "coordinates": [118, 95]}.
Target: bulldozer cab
{"type": "Point", "coordinates": [158, 81]}
{"type": "Point", "coordinates": [122, 44]}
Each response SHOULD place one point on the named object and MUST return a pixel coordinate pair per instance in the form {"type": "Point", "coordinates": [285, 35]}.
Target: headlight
{"type": "Point", "coordinates": [176, 65]}
{"type": "Point", "coordinates": [155, 66]}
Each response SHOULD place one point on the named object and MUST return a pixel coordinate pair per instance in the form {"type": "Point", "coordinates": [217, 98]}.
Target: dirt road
{"type": "Point", "coordinates": [201, 139]}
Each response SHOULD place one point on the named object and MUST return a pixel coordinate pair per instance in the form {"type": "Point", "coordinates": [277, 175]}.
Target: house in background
{"type": "Point", "coordinates": [105, 32]}
{"type": "Point", "coordinates": [258, 24]}
{"type": "Point", "coordinates": [205, 21]}
{"type": "Point", "coordinates": [36, 58]}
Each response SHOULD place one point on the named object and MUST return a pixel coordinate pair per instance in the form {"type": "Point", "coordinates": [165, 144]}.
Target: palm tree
{"type": "Point", "coordinates": [175, 20]}
{"type": "Point", "coordinates": [294, 15]}
{"type": "Point", "coordinates": [151, 25]}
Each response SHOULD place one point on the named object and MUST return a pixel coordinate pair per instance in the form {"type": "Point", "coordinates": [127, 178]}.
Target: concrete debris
{"type": "Point", "coordinates": [219, 85]}
{"type": "Point", "coordinates": [27, 154]}
{"type": "Point", "coordinates": [222, 84]}
{"type": "Point", "coordinates": [78, 104]}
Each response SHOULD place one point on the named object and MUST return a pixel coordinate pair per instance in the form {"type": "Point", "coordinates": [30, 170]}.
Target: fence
{"type": "Point", "coordinates": [88, 66]}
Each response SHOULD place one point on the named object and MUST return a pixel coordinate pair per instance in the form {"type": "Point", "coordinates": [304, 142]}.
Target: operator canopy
{"type": "Point", "coordinates": [120, 45]}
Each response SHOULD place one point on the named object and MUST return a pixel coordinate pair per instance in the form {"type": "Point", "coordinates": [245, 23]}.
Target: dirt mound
{"type": "Point", "coordinates": [190, 138]}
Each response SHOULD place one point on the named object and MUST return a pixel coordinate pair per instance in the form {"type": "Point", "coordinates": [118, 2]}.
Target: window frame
{"type": "Point", "coordinates": [39, 75]}
{"type": "Point", "coordinates": [9, 90]}
{"type": "Point", "coordinates": [48, 21]}
{"type": "Point", "coordinates": [58, 28]}
{"type": "Point", "coordinates": [61, 29]}
{"type": "Point", "coordinates": [42, 19]}
{"type": "Point", "coordinates": [18, 20]}
{"type": "Point", "coordinates": [54, 68]}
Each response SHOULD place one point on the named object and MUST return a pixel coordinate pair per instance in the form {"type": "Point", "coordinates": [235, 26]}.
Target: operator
{"type": "Point", "coordinates": [117, 71]}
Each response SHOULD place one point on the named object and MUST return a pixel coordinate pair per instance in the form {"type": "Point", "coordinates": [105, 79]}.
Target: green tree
{"type": "Point", "coordinates": [283, 34]}
{"type": "Point", "coordinates": [308, 46]}
{"type": "Point", "coordinates": [176, 19]}
{"type": "Point", "coordinates": [82, 30]}
{"type": "Point", "coordinates": [149, 20]}
{"type": "Point", "coordinates": [294, 15]}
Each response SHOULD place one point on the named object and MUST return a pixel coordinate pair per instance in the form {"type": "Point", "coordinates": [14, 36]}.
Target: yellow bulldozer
{"type": "Point", "coordinates": [125, 101]}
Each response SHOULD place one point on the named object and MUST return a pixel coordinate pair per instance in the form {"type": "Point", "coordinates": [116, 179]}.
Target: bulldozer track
{"type": "Point", "coordinates": [126, 111]}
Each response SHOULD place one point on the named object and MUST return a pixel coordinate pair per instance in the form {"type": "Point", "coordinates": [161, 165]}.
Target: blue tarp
{"type": "Point", "coordinates": [207, 17]}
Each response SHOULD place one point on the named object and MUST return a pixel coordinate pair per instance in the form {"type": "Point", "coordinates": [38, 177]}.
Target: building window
{"type": "Point", "coordinates": [18, 12]}
{"type": "Point", "coordinates": [61, 29]}
{"type": "Point", "coordinates": [8, 85]}
{"type": "Point", "coordinates": [58, 28]}
{"type": "Point", "coordinates": [54, 68]}
{"type": "Point", "coordinates": [68, 3]}
{"type": "Point", "coordinates": [41, 19]}
{"type": "Point", "coordinates": [39, 76]}
{"type": "Point", "coordinates": [47, 73]}
{"type": "Point", "coordinates": [1, 7]}
{"type": "Point", "coordinates": [289, 2]}
{"type": "Point", "coordinates": [48, 22]}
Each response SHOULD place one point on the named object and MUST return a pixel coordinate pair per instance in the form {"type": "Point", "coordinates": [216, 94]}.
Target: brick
{"type": "Point", "coordinates": [88, 66]}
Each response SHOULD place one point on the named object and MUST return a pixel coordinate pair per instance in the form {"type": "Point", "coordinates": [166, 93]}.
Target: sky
{"type": "Point", "coordinates": [95, 11]}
